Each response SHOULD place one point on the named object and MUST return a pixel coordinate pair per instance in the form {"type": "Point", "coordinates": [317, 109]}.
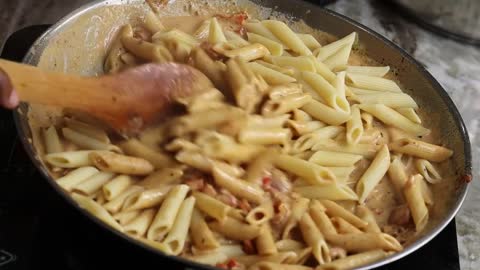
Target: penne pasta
{"type": "Point", "coordinates": [87, 129]}
{"type": "Point", "coordinates": [410, 114]}
{"type": "Point", "coordinates": [335, 210]}
{"type": "Point", "coordinates": [339, 60]}
{"type": "Point", "coordinates": [205, 119]}
{"type": "Point", "coordinates": [309, 41]}
{"type": "Point", "coordinates": [393, 118]}
{"type": "Point", "coordinates": [165, 217]}
{"type": "Point", "coordinates": [277, 266]}
{"type": "Point", "coordinates": [368, 70]}
{"type": "Point", "coordinates": [373, 83]}
{"type": "Point", "coordinates": [215, 34]}
{"type": "Point", "coordinates": [75, 177]}
{"type": "Point", "coordinates": [271, 76]}
{"type": "Point", "coordinates": [328, 50]}
{"type": "Point", "coordinates": [175, 239]}
{"type": "Point", "coordinates": [265, 136]}
{"type": "Point", "coordinates": [361, 242]}
{"type": "Point", "coordinates": [354, 126]}
{"type": "Point", "coordinates": [287, 36]}
{"type": "Point", "coordinates": [366, 150]}
{"type": "Point", "coordinates": [334, 159]}
{"type": "Point", "coordinates": [93, 184]}
{"type": "Point", "coordinates": [113, 62]}
{"type": "Point", "coordinates": [428, 171]}
{"type": "Point", "coordinates": [125, 216]}
{"type": "Point", "coordinates": [247, 88]}
{"type": "Point", "coordinates": [298, 208]}
{"type": "Point", "coordinates": [343, 227]}
{"type": "Point", "coordinates": [202, 236]}
{"type": "Point", "coordinates": [308, 141]}
{"type": "Point", "coordinates": [416, 202]}
{"type": "Point", "coordinates": [87, 142]}
{"type": "Point", "coordinates": [281, 257]}
{"type": "Point", "coordinates": [260, 166]}
{"type": "Point", "coordinates": [354, 261]}
{"type": "Point", "coordinates": [366, 215]}
{"type": "Point", "coordinates": [374, 174]}
{"type": "Point", "coordinates": [114, 205]}
{"type": "Point", "coordinates": [138, 226]}
{"type": "Point", "coordinates": [260, 214]}
{"type": "Point", "coordinates": [302, 63]}
{"type": "Point", "coordinates": [317, 212]}
{"type": "Point", "coordinates": [280, 106]}
{"type": "Point", "coordinates": [212, 69]}
{"type": "Point", "coordinates": [115, 187]}
{"type": "Point", "coordinates": [235, 229]}
{"type": "Point", "coordinates": [421, 149]}
{"type": "Point", "coordinates": [327, 192]}
{"type": "Point", "coordinates": [327, 91]}
{"type": "Point", "coordinates": [274, 47]}
{"type": "Point", "coordinates": [161, 178]}
{"type": "Point", "coordinates": [111, 162]}
{"type": "Point", "coordinates": [325, 113]}
{"type": "Point", "coordinates": [392, 100]}
{"type": "Point", "coordinates": [70, 159]}
{"type": "Point", "coordinates": [175, 36]}
{"type": "Point", "coordinates": [312, 173]}
{"type": "Point", "coordinates": [264, 242]}
{"type": "Point", "coordinates": [146, 50]}
{"type": "Point", "coordinates": [153, 23]}
{"type": "Point", "coordinates": [135, 148]}
{"type": "Point", "coordinates": [341, 172]}
{"type": "Point", "coordinates": [249, 52]}
{"type": "Point", "coordinates": [238, 187]}
{"type": "Point", "coordinates": [97, 210]}
{"type": "Point", "coordinates": [211, 206]}
{"type": "Point", "coordinates": [289, 245]}
{"type": "Point", "coordinates": [52, 141]}
{"type": "Point", "coordinates": [314, 238]}
{"type": "Point", "coordinates": [145, 199]}
{"type": "Point", "coordinates": [398, 177]}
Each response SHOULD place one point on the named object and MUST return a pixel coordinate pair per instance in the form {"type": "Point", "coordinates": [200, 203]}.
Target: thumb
{"type": "Point", "coordinates": [8, 96]}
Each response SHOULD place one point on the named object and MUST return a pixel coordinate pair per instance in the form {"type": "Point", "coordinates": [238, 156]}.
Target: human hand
{"type": "Point", "coordinates": [8, 95]}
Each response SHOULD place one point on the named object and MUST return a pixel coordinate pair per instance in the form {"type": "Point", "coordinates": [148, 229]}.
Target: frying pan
{"type": "Point", "coordinates": [415, 79]}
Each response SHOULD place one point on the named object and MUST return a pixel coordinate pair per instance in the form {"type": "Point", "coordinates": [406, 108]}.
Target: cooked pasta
{"type": "Point", "coordinates": [296, 159]}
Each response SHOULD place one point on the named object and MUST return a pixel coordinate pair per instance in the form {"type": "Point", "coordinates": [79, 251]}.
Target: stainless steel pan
{"type": "Point", "coordinates": [415, 79]}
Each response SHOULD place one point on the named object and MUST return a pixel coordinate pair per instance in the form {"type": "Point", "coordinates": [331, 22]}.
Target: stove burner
{"type": "Point", "coordinates": [39, 230]}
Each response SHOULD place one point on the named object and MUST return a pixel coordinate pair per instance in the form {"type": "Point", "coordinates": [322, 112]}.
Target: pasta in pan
{"type": "Point", "coordinates": [301, 157]}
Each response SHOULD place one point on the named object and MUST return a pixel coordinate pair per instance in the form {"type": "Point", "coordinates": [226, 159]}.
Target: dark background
{"type": "Point", "coordinates": [16, 14]}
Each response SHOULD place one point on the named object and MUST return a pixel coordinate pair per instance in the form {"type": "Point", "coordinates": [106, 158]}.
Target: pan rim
{"type": "Point", "coordinates": [39, 45]}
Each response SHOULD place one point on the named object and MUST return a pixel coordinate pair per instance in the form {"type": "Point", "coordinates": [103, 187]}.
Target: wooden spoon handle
{"type": "Point", "coordinates": [52, 88]}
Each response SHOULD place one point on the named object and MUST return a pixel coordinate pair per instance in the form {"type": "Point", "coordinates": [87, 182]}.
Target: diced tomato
{"type": "Point", "coordinates": [240, 17]}
{"type": "Point", "coordinates": [244, 205]}
{"type": "Point", "coordinates": [232, 263]}
{"type": "Point", "coordinates": [266, 180]}
{"type": "Point", "coordinates": [248, 247]}
{"type": "Point", "coordinates": [222, 265]}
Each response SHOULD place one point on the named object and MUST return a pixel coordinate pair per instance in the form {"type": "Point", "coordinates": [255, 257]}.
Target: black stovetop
{"type": "Point", "coordinates": [39, 230]}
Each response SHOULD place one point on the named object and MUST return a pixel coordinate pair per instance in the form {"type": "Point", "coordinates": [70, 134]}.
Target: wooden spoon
{"type": "Point", "coordinates": [127, 101]}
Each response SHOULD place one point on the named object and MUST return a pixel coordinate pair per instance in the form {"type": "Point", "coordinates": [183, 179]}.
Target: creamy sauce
{"type": "Point", "coordinates": [81, 47]}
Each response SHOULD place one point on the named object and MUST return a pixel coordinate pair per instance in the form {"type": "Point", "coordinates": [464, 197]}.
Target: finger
{"type": "Point", "coordinates": [8, 97]}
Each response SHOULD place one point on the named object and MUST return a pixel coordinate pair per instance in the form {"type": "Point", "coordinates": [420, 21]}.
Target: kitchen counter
{"type": "Point", "coordinates": [456, 66]}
